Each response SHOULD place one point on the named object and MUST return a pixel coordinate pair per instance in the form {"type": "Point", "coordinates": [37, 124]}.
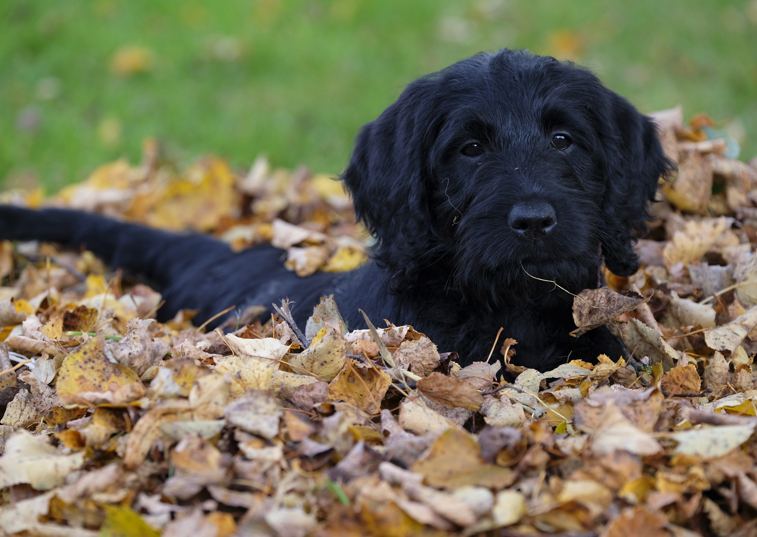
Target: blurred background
{"type": "Point", "coordinates": [85, 82]}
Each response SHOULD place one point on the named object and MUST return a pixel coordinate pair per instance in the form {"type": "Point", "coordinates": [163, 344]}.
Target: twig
{"type": "Point", "coordinates": [91, 334]}
{"type": "Point", "coordinates": [504, 387]}
{"type": "Point", "coordinates": [700, 394]}
{"type": "Point", "coordinates": [385, 354]}
{"type": "Point", "coordinates": [213, 318]}
{"type": "Point", "coordinates": [715, 418]}
{"type": "Point", "coordinates": [494, 345]}
{"type": "Point", "coordinates": [286, 314]}
{"type": "Point", "coordinates": [34, 258]}
{"type": "Point", "coordinates": [358, 357]}
{"type": "Point", "coordinates": [12, 369]}
{"type": "Point", "coordinates": [721, 292]}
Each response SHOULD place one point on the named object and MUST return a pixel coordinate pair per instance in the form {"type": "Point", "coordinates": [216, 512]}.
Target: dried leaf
{"type": "Point", "coordinates": [596, 307]}
{"type": "Point", "coordinates": [730, 336]}
{"type": "Point", "coordinates": [682, 379]}
{"type": "Point", "coordinates": [323, 359]}
{"type": "Point", "coordinates": [616, 432]}
{"type": "Point", "coordinates": [644, 341]}
{"type": "Point", "coordinates": [691, 189]}
{"type": "Point", "coordinates": [253, 363]}
{"type": "Point", "coordinates": [29, 460]}
{"type": "Point", "coordinates": [88, 372]}
{"type": "Point", "coordinates": [455, 461]}
{"type": "Point", "coordinates": [361, 385]}
{"type": "Point", "coordinates": [712, 442]}
{"type": "Point", "coordinates": [450, 392]}
{"type": "Point", "coordinates": [255, 412]}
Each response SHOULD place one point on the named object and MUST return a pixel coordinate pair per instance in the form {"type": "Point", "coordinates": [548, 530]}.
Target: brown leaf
{"type": "Point", "coordinates": [253, 363]}
{"type": "Point", "coordinates": [81, 318]}
{"type": "Point", "coordinates": [729, 336]}
{"type": "Point", "coordinates": [450, 392]}
{"type": "Point", "coordinates": [635, 521]}
{"type": "Point", "coordinates": [716, 373]}
{"type": "Point", "coordinates": [692, 188]}
{"type": "Point", "coordinates": [644, 341]}
{"type": "Point", "coordinates": [596, 307]}
{"type": "Point", "coordinates": [255, 412]}
{"type": "Point", "coordinates": [455, 460]}
{"type": "Point", "coordinates": [418, 356]}
{"type": "Point", "coordinates": [324, 359]}
{"type": "Point", "coordinates": [9, 315]}
{"type": "Point", "coordinates": [480, 374]}
{"type": "Point", "coordinates": [694, 240]}
{"type": "Point", "coordinates": [682, 379]}
{"type": "Point", "coordinates": [361, 385]}
{"type": "Point", "coordinates": [615, 431]}
{"type": "Point", "coordinates": [88, 370]}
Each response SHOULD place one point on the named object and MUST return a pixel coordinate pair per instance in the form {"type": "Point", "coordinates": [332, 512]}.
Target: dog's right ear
{"type": "Point", "coordinates": [388, 171]}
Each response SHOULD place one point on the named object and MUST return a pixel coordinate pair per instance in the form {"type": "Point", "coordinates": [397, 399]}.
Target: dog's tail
{"type": "Point", "coordinates": [137, 249]}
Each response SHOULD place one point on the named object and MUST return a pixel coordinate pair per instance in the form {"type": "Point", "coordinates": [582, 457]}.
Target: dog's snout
{"type": "Point", "coordinates": [532, 220]}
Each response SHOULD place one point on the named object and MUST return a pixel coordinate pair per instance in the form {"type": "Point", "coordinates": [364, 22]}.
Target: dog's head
{"type": "Point", "coordinates": [503, 167]}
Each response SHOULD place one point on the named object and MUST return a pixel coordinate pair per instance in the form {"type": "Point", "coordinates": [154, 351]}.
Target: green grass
{"type": "Point", "coordinates": [309, 72]}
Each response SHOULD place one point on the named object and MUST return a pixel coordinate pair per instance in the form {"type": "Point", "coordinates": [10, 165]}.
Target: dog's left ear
{"type": "Point", "coordinates": [634, 162]}
{"type": "Point", "coordinates": [388, 170]}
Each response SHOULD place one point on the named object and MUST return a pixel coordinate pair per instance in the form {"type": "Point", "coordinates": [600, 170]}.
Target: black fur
{"type": "Point", "coordinates": [466, 233]}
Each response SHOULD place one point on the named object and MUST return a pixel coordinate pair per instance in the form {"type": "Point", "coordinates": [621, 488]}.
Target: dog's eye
{"type": "Point", "coordinates": [473, 149]}
{"type": "Point", "coordinates": [560, 141]}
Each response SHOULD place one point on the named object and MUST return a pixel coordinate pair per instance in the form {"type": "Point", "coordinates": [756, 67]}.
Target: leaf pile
{"type": "Point", "coordinates": [115, 424]}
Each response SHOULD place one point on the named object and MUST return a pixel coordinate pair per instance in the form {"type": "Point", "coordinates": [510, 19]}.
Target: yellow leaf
{"type": "Point", "coordinates": [455, 461]}
{"type": "Point", "coordinates": [53, 328]}
{"type": "Point", "coordinates": [89, 370]}
{"type": "Point", "coordinates": [360, 385]}
{"type": "Point", "coordinates": [95, 285]}
{"type": "Point", "coordinates": [22, 306]}
{"type": "Point", "coordinates": [123, 522]}
{"type": "Point", "coordinates": [346, 259]}
{"type": "Point", "coordinates": [197, 204]}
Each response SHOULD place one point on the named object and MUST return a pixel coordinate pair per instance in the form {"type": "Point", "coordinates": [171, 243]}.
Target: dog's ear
{"type": "Point", "coordinates": [634, 162]}
{"type": "Point", "coordinates": [388, 170]}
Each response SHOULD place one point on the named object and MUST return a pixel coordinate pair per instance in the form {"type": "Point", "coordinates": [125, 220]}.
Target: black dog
{"type": "Point", "coordinates": [480, 182]}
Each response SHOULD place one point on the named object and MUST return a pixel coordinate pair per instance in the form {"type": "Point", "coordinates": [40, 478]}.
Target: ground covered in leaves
{"type": "Point", "coordinates": [115, 424]}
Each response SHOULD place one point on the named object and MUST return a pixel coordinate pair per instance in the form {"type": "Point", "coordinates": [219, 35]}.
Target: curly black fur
{"type": "Point", "coordinates": [475, 200]}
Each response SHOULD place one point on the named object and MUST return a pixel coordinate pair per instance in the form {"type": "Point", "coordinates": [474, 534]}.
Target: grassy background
{"type": "Point", "coordinates": [295, 79]}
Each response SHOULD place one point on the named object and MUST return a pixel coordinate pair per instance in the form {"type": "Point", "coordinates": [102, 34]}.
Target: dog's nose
{"type": "Point", "coordinates": [533, 220]}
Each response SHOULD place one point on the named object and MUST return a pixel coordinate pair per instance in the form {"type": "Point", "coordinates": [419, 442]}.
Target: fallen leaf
{"type": "Point", "coordinates": [729, 336]}
{"type": "Point", "coordinates": [638, 520]}
{"type": "Point", "coordinates": [89, 371]}
{"type": "Point", "coordinates": [597, 307]}
{"type": "Point", "coordinates": [616, 432]}
{"type": "Point", "coordinates": [450, 392]}
{"type": "Point", "coordinates": [418, 356]}
{"type": "Point", "coordinates": [694, 240]}
{"type": "Point", "coordinates": [361, 385]}
{"type": "Point", "coordinates": [644, 341]}
{"type": "Point", "coordinates": [323, 359]}
{"type": "Point", "coordinates": [253, 363]}
{"type": "Point", "coordinates": [455, 461]}
{"type": "Point", "coordinates": [29, 460]}
{"type": "Point", "coordinates": [692, 187]}
{"type": "Point", "coordinates": [712, 442]}
{"type": "Point", "coordinates": [681, 379]}
{"type": "Point", "coordinates": [124, 522]}
{"type": "Point", "coordinates": [255, 412]}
